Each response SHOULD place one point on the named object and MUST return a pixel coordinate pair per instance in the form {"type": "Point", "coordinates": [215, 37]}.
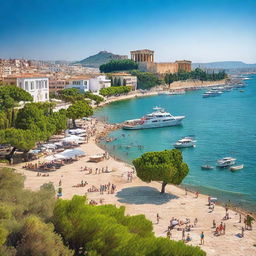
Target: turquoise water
{"type": "Point", "coordinates": [223, 126]}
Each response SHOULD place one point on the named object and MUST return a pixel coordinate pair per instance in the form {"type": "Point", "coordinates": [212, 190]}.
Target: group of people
{"type": "Point", "coordinates": [96, 171]}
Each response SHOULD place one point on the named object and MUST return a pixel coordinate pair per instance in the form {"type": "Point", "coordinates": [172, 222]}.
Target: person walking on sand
{"type": "Point", "coordinates": [195, 221]}
{"type": "Point", "coordinates": [202, 238]}
{"type": "Point", "coordinates": [197, 193]}
{"type": "Point", "coordinates": [242, 235]}
{"type": "Point", "coordinates": [169, 234]}
{"type": "Point", "coordinates": [157, 218]}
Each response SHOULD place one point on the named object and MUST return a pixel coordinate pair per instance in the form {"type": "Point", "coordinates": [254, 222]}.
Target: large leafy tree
{"type": "Point", "coordinates": [78, 110]}
{"type": "Point", "coordinates": [166, 166]}
{"type": "Point", "coordinates": [10, 96]}
{"type": "Point", "coordinates": [109, 91]}
{"type": "Point", "coordinates": [38, 238]}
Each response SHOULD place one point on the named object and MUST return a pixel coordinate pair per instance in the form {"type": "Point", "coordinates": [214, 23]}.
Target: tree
{"type": "Point", "coordinates": [78, 110]}
{"type": "Point", "coordinates": [18, 139]}
{"type": "Point", "coordinates": [146, 80]}
{"type": "Point", "coordinates": [38, 238]}
{"type": "Point", "coordinates": [166, 166]}
{"type": "Point", "coordinates": [115, 90]}
{"type": "Point", "coordinates": [118, 65]}
{"type": "Point", "coordinates": [71, 95]}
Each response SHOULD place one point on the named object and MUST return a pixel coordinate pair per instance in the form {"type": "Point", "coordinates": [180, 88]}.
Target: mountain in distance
{"type": "Point", "coordinates": [224, 65]}
{"type": "Point", "coordinates": [100, 58]}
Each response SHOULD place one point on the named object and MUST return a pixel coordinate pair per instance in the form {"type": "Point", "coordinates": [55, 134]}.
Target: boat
{"type": "Point", "coordinates": [158, 118]}
{"type": "Point", "coordinates": [185, 142]}
{"type": "Point", "coordinates": [226, 162]}
{"type": "Point", "coordinates": [206, 167]}
{"type": "Point", "coordinates": [241, 90]}
{"type": "Point", "coordinates": [212, 93]}
{"type": "Point", "coordinates": [236, 168]}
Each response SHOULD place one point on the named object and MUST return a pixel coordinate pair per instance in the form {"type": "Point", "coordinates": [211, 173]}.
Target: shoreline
{"type": "Point", "coordinates": [144, 198]}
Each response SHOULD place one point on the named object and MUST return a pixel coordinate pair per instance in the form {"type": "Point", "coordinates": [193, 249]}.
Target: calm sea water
{"type": "Point", "coordinates": [223, 126]}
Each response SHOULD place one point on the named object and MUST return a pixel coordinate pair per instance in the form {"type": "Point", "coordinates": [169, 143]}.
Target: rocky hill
{"type": "Point", "coordinates": [100, 58]}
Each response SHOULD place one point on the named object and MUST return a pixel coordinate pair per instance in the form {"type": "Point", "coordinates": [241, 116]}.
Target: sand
{"type": "Point", "coordinates": [143, 198]}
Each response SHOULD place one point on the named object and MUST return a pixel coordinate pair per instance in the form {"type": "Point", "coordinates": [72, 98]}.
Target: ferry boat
{"type": "Point", "coordinates": [226, 162]}
{"type": "Point", "coordinates": [158, 118]}
{"type": "Point", "coordinates": [186, 142]}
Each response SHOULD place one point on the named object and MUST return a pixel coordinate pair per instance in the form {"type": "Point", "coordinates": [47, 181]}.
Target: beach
{"type": "Point", "coordinates": [142, 198]}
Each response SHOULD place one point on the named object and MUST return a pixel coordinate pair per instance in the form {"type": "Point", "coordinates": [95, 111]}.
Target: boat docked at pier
{"type": "Point", "coordinates": [185, 142]}
{"type": "Point", "coordinates": [158, 118]}
{"type": "Point", "coordinates": [226, 162]}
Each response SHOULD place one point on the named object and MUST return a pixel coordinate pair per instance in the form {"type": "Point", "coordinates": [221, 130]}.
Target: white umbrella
{"type": "Point", "coordinates": [70, 153]}
{"type": "Point", "coordinates": [72, 138]}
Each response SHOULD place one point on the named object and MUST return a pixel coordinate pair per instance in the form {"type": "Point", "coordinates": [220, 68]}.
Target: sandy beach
{"type": "Point", "coordinates": [142, 198]}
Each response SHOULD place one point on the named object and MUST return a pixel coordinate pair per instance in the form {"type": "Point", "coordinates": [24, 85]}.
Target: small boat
{"type": "Point", "coordinates": [241, 90]}
{"type": "Point", "coordinates": [186, 142]}
{"type": "Point", "coordinates": [226, 162]}
{"type": "Point", "coordinates": [206, 167]}
{"type": "Point", "coordinates": [236, 168]}
{"type": "Point", "coordinates": [212, 93]}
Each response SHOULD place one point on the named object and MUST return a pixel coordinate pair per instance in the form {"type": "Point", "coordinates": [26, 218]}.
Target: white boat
{"type": "Point", "coordinates": [212, 93]}
{"type": "Point", "coordinates": [236, 168]}
{"type": "Point", "coordinates": [158, 118]}
{"type": "Point", "coordinates": [226, 161]}
{"type": "Point", "coordinates": [186, 142]}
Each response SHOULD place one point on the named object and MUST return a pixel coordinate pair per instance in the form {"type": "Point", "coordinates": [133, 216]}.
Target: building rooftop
{"type": "Point", "coordinates": [142, 51]}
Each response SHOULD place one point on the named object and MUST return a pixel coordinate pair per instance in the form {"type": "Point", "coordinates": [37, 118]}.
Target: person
{"type": "Point", "coordinates": [60, 183]}
{"type": "Point", "coordinates": [240, 218]}
{"type": "Point", "coordinates": [195, 221]}
{"type": "Point", "coordinates": [213, 224]}
{"type": "Point", "coordinates": [169, 234]}
{"type": "Point", "coordinates": [183, 234]}
{"type": "Point", "coordinates": [242, 235]}
{"type": "Point", "coordinates": [157, 218]}
{"type": "Point", "coordinates": [188, 239]}
{"type": "Point", "coordinates": [224, 228]}
{"type": "Point", "coordinates": [197, 193]}
{"type": "Point", "coordinates": [202, 238]}
{"type": "Point", "coordinates": [186, 191]}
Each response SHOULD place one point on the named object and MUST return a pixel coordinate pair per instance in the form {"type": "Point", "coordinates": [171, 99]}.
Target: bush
{"type": "Point", "coordinates": [115, 90]}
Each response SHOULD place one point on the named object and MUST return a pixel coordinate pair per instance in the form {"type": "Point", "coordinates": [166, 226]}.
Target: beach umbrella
{"type": "Point", "coordinates": [70, 153]}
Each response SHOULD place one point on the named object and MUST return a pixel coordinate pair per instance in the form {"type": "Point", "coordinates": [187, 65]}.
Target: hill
{"type": "Point", "coordinates": [224, 65]}
{"type": "Point", "coordinates": [100, 58]}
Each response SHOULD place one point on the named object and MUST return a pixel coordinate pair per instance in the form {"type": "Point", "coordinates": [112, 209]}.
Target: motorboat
{"type": "Point", "coordinates": [158, 118]}
{"type": "Point", "coordinates": [185, 142]}
{"type": "Point", "coordinates": [236, 168]}
{"type": "Point", "coordinates": [226, 162]}
{"type": "Point", "coordinates": [207, 167]}
{"type": "Point", "coordinates": [212, 93]}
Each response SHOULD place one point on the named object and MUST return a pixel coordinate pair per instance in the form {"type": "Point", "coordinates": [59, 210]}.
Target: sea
{"type": "Point", "coordinates": [223, 126]}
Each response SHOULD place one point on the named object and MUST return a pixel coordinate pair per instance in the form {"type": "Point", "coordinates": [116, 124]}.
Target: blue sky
{"type": "Point", "coordinates": [199, 30]}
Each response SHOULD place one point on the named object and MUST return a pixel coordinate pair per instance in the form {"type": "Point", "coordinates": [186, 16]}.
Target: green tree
{"type": "Point", "coordinates": [115, 90]}
{"type": "Point", "coordinates": [78, 110]}
{"type": "Point", "coordinates": [38, 238]}
{"type": "Point", "coordinates": [118, 65]}
{"type": "Point", "coordinates": [18, 139]}
{"type": "Point", "coordinates": [166, 166]}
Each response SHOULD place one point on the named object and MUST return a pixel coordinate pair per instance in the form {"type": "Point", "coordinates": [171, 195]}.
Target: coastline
{"type": "Point", "coordinates": [144, 198]}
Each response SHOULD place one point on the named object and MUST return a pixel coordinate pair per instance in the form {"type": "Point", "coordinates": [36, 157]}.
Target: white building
{"type": "Point", "coordinates": [99, 82]}
{"type": "Point", "coordinates": [92, 84]}
{"type": "Point", "coordinates": [82, 84]}
{"type": "Point", "coordinates": [36, 85]}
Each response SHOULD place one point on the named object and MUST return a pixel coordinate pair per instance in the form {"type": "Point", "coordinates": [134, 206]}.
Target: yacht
{"type": "Point", "coordinates": [156, 119]}
{"type": "Point", "coordinates": [186, 142]}
{"type": "Point", "coordinates": [226, 162]}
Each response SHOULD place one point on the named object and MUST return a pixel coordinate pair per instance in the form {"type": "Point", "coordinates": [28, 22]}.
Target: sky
{"type": "Point", "coordinates": [197, 30]}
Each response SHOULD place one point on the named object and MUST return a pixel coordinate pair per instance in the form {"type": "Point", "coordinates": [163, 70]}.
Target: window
{"type": "Point", "coordinates": [37, 84]}
{"type": "Point", "coordinates": [45, 84]}
{"type": "Point", "coordinates": [85, 82]}
{"type": "Point", "coordinates": [32, 86]}
{"type": "Point", "coordinates": [26, 86]}
{"type": "Point", "coordinates": [46, 96]}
